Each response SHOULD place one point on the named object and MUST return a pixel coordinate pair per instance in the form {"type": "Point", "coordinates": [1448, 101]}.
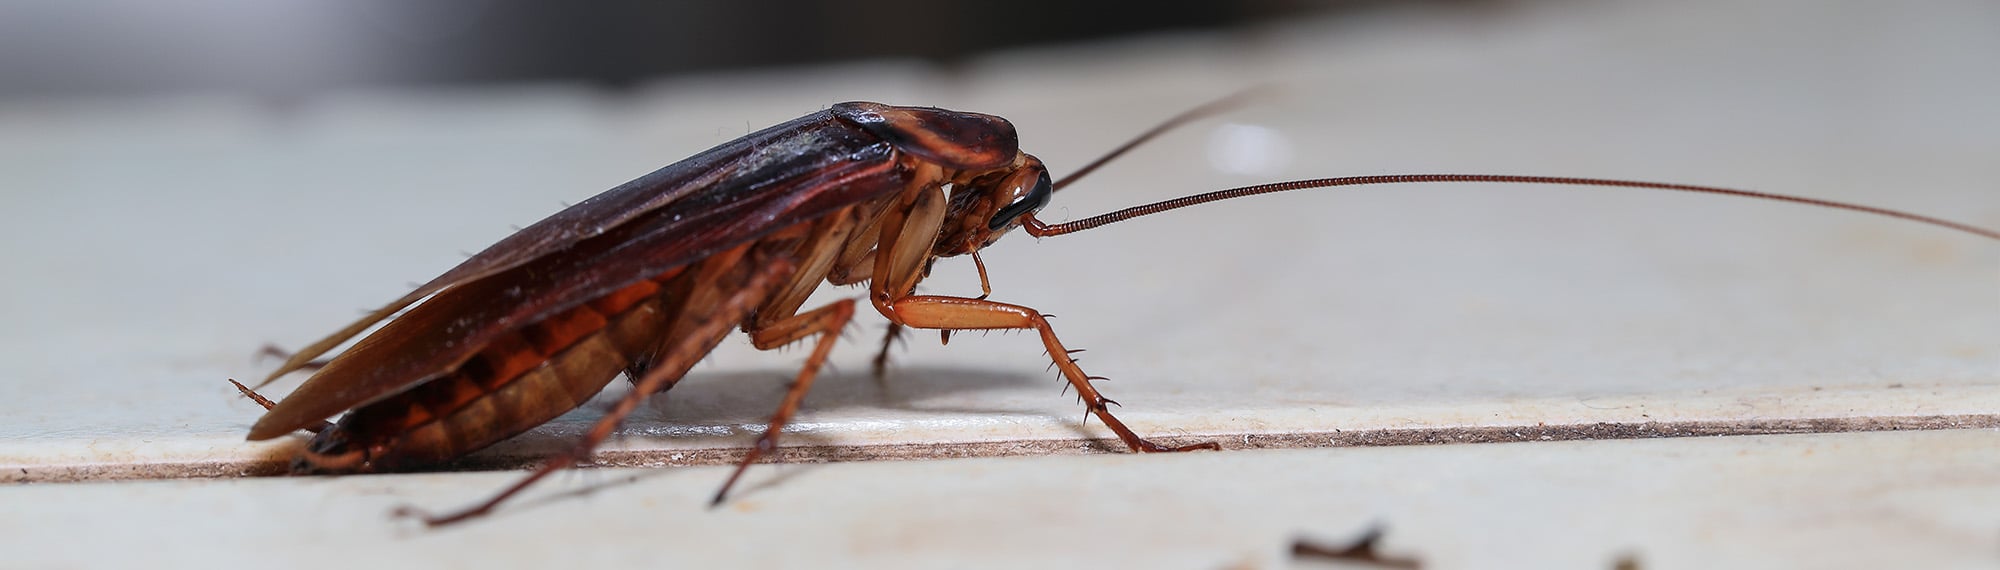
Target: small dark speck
{"type": "Point", "coordinates": [1896, 385]}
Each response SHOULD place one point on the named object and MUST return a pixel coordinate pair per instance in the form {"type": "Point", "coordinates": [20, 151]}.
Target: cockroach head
{"type": "Point", "coordinates": [988, 206]}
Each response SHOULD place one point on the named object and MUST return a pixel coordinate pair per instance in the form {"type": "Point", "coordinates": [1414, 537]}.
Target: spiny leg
{"type": "Point", "coordinates": [253, 395]}
{"type": "Point", "coordinates": [667, 367]}
{"type": "Point", "coordinates": [268, 404]}
{"type": "Point", "coordinates": [274, 351]}
{"type": "Point", "coordinates": [826, 322]}
{"type": "Point", "coordinates": [959, 313]}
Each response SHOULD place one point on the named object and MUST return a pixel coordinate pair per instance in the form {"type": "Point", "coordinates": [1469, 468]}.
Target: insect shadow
{"type": "Point", "coordinates": [725, 410]}
{"type": "Point", "coordinates": [728, 407]}
{"type": "Point", "coordinates": [744, 398]}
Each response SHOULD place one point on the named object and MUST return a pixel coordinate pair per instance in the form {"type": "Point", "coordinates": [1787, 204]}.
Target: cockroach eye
{"type": "Point", "coordinates": [1028, 203]}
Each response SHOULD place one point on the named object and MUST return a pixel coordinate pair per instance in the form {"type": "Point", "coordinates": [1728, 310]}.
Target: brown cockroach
{"type": "Point", "coordinates": [650, 276]}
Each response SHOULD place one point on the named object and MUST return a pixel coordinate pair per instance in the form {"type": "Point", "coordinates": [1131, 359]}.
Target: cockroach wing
{"type": "Point", "coordinates": [722, 167]}
{"type": "Point", "coordinates": [721, 198]}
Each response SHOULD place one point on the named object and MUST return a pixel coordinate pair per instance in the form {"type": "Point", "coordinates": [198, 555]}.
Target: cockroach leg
{"type": "Point", "coordinates": [253, 395]}
{"type": "Point", "coordinates": [826, 322]}
{"type": "Point", "coordinates": [960, 313]}
{"type": "Point", "coordinates": [851, 272]}
{"type": "Point", "coordinates": [889, 340]}
{"type": "Point", "coordinates": [274, 351]}
{"type": "Point", "coordinates": [268, 404]}
{"type": "Point", "coordinates": [985, 286]}
{"type": "Point", "coordinates": [666, 368]}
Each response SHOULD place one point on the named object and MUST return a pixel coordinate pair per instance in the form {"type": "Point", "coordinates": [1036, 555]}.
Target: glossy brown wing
{"type": "Point", "coordinates": [805, 172]}
{"type": "Point", "coordinates": [731, 166]}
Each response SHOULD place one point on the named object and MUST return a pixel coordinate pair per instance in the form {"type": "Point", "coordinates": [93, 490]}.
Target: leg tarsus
{"type": "Point", "coordinates": [253, 395]}
{"type": "Point", "coordinates": [765, 443]}
{"type": "Point", "coordinates": [889, 340]}
{"type": "Point", "coordinates": [553, 465]}
{"type": "Point", "coordinates": [275, 351]}
{"type": "Point", "coordinates": [268, 404]}
{"type": "Point", "coordinates": [960, 313]}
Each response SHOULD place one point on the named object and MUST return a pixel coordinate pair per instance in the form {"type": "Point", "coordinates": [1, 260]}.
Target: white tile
{"type": "Point", "coordinates": [1902, 500]}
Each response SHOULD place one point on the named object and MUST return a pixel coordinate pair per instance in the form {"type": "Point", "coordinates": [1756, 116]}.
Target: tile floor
{"type": "Point", "coordinates": [155, 244]}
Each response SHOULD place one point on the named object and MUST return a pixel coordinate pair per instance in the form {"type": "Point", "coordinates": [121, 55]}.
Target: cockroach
{"type": "Point", "coordinates": [650, 276]}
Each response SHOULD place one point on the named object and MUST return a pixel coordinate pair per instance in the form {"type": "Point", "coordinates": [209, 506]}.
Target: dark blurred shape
{"type": "Point", "coordinates": [291, 47]}
{"type": "Point", "coordinates": [1361, 551]}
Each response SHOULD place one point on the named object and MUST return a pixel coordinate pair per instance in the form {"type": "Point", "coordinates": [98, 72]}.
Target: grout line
{"type": "Point", "coordinates": [1387, 437]}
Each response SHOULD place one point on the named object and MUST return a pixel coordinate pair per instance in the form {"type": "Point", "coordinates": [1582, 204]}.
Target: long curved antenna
{"type": "Point", "coordinates": [1036, 228]}
{"type": "Point", "coordinates": [1202, 111]}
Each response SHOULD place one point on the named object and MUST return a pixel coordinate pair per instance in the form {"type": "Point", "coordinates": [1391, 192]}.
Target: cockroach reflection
{"type": "Point", "coordinates": [648, 277]}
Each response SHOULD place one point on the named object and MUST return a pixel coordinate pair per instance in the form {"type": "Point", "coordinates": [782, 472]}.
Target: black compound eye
{"type": "Point", "coordinates": [1031, 202]}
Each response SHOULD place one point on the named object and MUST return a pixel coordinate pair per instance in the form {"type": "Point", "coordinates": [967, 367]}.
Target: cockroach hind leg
{"type": "Point", "coordinates": [279, 353]}
{"type": "Point", "coordinates": [253, 395]}
{"type": "Point", "coordinates": [666, 368]}
{"type": "Point", "coordinates": [825, 322]}
{"type": "Point", "coordinates": [268, 404]}
{"type": "Point", "coordinates": [434, 521]}
{"type": "Point", "coordinates": [552, 465]}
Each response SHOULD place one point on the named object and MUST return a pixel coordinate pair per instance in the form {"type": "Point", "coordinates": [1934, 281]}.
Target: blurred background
{"type": "Point", "coordinates": [281, 48]}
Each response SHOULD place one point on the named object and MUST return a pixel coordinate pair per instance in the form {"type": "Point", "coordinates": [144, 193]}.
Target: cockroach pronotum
{"type": "Point", "coordinates": [650, 276]}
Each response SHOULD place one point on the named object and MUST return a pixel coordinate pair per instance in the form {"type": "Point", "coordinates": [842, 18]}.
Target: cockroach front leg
{"type": "Point", "coordinates": [959, 313]}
